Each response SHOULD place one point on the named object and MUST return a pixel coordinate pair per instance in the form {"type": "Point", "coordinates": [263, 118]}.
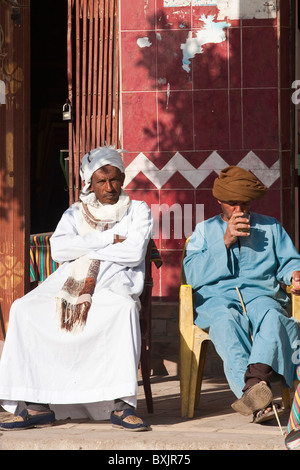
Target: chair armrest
{"type": "Point", "coordinates": [296, 306]}
{"type": "Point", "coordinates": [295, 303]}
{"type": "Point", "coordinates": [186, 311]}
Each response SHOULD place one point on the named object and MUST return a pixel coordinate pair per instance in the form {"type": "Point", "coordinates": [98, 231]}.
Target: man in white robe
{"type": "Point", "coordinates": [73, 344]}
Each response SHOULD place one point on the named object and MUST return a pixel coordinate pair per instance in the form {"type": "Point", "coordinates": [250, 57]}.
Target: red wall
{"type": "Point", "coordinates": [184, 121]}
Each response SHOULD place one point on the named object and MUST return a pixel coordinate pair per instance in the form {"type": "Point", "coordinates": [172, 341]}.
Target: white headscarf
{"type": "Point", "coordinates": [96, 159]}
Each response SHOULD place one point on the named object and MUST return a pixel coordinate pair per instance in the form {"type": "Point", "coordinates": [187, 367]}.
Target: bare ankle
{"type": "Point", "coordinates": [34, 412]}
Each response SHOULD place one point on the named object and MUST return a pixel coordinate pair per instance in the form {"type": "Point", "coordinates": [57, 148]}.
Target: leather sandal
{"type": "Point", "coordinates": [263, 415]}
{"type": "Point", "coordinates": [128, 421]}
{"type": "Point", "coordinates": [255, 398]}
{"type": "Point", "coordinates": [26, 421]}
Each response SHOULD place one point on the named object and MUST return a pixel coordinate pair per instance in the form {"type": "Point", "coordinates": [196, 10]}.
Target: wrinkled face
{"type": "Point", "coordinates": [228, 208]}
{"type": "Point", "coordinates": [107, 183]}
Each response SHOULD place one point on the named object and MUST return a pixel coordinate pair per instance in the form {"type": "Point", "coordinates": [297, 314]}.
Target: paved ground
{"type": "Point", "coordinates": [215, 426]}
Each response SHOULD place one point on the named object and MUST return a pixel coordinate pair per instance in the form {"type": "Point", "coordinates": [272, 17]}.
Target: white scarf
{"type": "Point", "coordinates": [74, 299]}
{"type": "Point", "coordinates": [97, 216]}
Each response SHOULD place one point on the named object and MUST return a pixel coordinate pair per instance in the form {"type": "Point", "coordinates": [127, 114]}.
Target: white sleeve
{"type": "Point", "coordinates": [132, 251]}
{"type": "Point", "coordinates": [67, 244]}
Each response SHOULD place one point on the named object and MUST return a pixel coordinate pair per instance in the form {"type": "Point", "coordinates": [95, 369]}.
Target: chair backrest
{"type": "Point", "coordinates": [295, 298]}
{"type": "Point", "coordinates": [296, 307]}
{"type": "Point", "coordinates": [152, 256]}
{"type": "Point", "coordinates": [182, 276]}
{"type": "Point", "coordinates": [41, 262]}
{"type": "Point", "coordinates": [146, 295]}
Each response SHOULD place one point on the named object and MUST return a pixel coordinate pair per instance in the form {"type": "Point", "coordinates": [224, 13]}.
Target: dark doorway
{"type": "Point", "coordinates": [49, 133]}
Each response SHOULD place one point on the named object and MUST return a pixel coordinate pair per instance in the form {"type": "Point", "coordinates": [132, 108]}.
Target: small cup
{"type": "Point", "coordinates": [246, 215]}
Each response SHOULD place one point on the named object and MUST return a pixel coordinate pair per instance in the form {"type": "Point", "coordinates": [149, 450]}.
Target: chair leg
{"type": "Point", "coordinates": [286, 393]}
{"type": "Point", "coordinates": [286, 396]}
{"type": "Point", "coordinates": [185, 376]}
{"type": "Point", "coordinates": [145, 369]}
{"type": "Point", "coordinates": [197, 367]}
{"type": "Point", "coordinates": [201, 370]}
{"type": "Point", "coordinates": [186, 329]}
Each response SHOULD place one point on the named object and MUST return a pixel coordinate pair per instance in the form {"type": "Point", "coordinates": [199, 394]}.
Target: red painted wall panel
{"type": "Point", "coordinates": [186, 117]}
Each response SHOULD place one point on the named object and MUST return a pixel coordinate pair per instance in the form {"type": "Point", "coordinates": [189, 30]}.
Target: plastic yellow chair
{"type": "Point", "coordinates": [193, 347]}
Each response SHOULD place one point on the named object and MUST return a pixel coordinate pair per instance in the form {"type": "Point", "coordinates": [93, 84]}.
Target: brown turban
{"type": "Point", "coordinates": [236, 184]}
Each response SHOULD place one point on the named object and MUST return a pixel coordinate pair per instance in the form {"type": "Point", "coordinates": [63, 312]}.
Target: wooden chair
{"type": "Point", "coordinates": [145, 321]}
{"type": "Point", "coordinates": [41, 265]}
{"type": "Point", "coordinates": [193, 348]}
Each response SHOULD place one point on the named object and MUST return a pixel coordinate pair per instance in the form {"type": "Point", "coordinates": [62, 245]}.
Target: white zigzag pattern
{"type": "Point", "coordinates": [195, 176]}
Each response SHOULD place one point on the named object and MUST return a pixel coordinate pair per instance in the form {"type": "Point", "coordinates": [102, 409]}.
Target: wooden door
{"type": "Point", "coordinates": [14, 154]}
{"type": "Point", "coordinates": [93, 80]}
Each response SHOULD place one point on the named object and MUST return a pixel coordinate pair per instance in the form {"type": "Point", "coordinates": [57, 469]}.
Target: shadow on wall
{"type": "Point", "coordinates": [188, 62]}
{"type": "Point", "coordinates": [196, 79]}
{"type": "Point", "coordinates": [189, 75]}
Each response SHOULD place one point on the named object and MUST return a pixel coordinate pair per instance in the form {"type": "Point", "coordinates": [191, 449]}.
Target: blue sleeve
{"type": "Point", "coordinates": [287, 256]}
{"type": "Point", "coordinates": [207, 260]}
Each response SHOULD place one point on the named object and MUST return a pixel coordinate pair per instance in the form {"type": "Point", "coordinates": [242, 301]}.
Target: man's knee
{"type": "Point", "coordinates": [229, 321]}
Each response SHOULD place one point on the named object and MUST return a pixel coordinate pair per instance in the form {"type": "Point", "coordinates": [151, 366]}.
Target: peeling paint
{"type": "Point", "coordinates": [212, 33]}
{"type": "Point", "coordinates": [144, 42]}
{"type": "Point", "coordinates": [233, 9]}
{"type": "Point", "coordinates": [168, 95]}
{"type": "Point", "coordinates": [145, 7]}
{"type": "Point", "coordinates": [177, 3]}
{"type": "Point", "coordinates": [162, 81]}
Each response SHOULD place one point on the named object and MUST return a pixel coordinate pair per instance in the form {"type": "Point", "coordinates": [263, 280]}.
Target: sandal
{"type": "Point", "coordinates": [255, 398]}
{"type": "Point", "coordinates": [26, 421]}
{"type": "Point", "coordinates": [128, 421]}
{"type": "Point", "coordinates": [263, 415]}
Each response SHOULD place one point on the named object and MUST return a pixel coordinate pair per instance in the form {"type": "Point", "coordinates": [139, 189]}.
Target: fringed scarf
{"type": "Point", "coordinates": [74, 300]}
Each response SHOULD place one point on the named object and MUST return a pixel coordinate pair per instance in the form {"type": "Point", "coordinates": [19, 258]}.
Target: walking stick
{"type": "Point", "coordinates": [273, 406]}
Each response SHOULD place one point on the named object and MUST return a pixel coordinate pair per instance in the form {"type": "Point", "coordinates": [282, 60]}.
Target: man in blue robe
{"type": "Point", "coordinates": [236, 263]}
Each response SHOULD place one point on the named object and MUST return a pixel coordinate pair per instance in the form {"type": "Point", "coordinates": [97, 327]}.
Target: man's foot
{"type": "Point", "coordinates": [255, 398]}
{"type": "Point", "coordinates": [128, 420]}
{"type": "Point", "coordinates": [27, 421]}
{"type": "Point", "coordinates": [266, 414]}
